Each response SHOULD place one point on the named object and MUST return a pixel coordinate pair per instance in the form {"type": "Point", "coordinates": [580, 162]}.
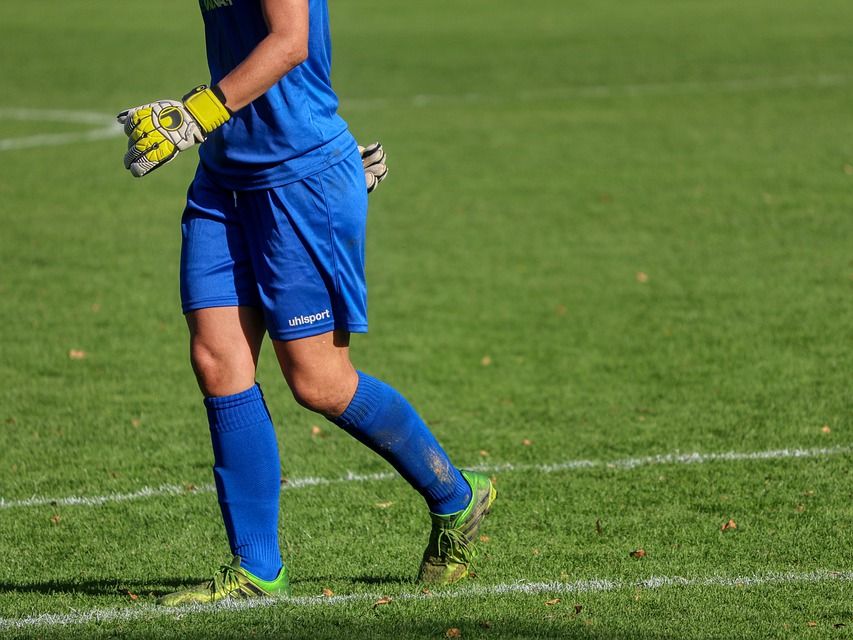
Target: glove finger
{"type": "Point", "coordinates": [365, 151]}
{"type": "Point", "coordinates": [374, 154]}
{"type": "Point", "coordinates": [379, 171]}
{"type": "Point", "coordinates": [371, 181]}
{"type": "Point", "coordinates": [122, 117]}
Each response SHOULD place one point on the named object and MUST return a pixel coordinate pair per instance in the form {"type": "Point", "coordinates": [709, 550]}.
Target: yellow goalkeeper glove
{"type": "Point", "coordinates": [158, 131]}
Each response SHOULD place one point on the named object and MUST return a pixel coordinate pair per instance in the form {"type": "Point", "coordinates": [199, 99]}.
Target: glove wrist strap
{"type": "Point", "coordinates": [207, 106]}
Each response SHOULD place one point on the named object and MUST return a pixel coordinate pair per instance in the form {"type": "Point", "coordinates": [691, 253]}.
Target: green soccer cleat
{"type": "Point", "coordinates": [448, 555]}
{"type": "Point", "coordinates": [231, 581]}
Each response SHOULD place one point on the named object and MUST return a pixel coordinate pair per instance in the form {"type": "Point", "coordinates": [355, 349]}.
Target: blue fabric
{"type": "Point", "coordinates": [379, 417]}
{"type": "Point", "coordinates": [296, 251]}
{"type": "Point", "coordinates": [248, 478]}
{"type": "Point", "coordinates": [291, 131]}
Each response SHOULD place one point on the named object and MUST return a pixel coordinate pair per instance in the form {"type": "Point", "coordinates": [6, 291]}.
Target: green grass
{"type": "Point", "coordinates": [561, 150]}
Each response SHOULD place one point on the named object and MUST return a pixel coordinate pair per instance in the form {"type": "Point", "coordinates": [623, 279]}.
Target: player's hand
{"type": "Point", "coordinates": [373, 158]}
{"type": "Point", "coordinates": [158, 131]}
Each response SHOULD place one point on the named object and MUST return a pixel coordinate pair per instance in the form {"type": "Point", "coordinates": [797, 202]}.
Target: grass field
{"type": "Point", "coordinates": [612, 231]}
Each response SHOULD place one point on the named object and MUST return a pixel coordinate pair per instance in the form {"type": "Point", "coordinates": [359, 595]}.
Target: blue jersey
{"type": "Point", "coordinates": [290, 132]}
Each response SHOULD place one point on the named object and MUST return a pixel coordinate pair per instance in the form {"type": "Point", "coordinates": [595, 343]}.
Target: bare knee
{"type": "Point", "coordinates": [328, 393]}
{"type": "Point", "coordinates": [221, 371]}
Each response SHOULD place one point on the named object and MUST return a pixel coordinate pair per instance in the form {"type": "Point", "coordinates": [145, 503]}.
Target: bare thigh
{"type": "Point", "coordinates": [224, 346]}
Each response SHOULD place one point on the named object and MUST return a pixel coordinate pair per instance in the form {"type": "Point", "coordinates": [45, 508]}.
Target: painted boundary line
{"type": "Point", "coordinates": [596, 585]}
{"type": "Point", "coordinates": [625, 464]}
{"type": "Point", "coordinates": [105, 126]}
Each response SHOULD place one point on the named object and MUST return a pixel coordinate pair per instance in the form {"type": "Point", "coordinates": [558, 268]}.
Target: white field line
{"type": "Point", "coordinates": [568, 465]}
{"type": "Point", "coordinates": [106, 127]}
{"type": "Point", "coordinates": [149, 611]}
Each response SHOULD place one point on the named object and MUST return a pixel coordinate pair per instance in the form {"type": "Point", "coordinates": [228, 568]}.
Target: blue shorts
{"type": "Point", "coordinates": [295, 251]}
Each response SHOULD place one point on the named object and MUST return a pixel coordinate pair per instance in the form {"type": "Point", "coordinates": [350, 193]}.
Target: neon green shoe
{"type": "Point", "coordinates": [231, 581]}
{"type": "Point", "coordinates": [448, 555]}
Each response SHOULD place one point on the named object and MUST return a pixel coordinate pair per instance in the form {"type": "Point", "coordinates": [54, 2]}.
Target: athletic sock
{"type": "Point", "coordinates": [379, 417]}
{"type": "Point", "coordinates": [248, 478]}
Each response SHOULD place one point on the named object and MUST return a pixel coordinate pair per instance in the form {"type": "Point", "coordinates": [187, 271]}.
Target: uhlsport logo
{"type": "Point", "coordinates": [297, 321]}
{"type": "Point", "coordinates": [210, 5]}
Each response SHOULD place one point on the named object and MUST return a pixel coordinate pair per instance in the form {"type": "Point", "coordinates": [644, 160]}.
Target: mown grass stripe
{"type": "Point", "coordinates": [568, 465]}
{"type": "Point", "coordinates": [150, 611]}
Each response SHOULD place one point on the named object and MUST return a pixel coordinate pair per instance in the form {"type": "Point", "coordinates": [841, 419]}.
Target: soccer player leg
{"type": "Point", "coordinates": [226, 329]}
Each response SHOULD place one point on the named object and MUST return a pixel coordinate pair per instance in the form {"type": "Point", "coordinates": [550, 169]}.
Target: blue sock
{"type": "Point", "coordinates": [248, 478]}
{"type": "Point", "coordinates": [381, 418]}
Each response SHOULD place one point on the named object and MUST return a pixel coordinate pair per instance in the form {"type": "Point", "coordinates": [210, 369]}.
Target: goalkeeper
{"type": "Point", "coordinates": [273, 242]}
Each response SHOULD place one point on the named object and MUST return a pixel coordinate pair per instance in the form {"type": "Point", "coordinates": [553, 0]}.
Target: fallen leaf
{"type": "Point", "coordinates": [825, 429]}
{"type": "Point", "coordinates": [578, 609]}
{"type": "Point", "coordinates": [383, 505]}
{"type": "Point", "coordinates": [808, 493]}
{"type": "Point", "coordinates": [642, 276]}
{"type": "Point", "coordinates": [472, 574]}
{"type": "Point", "coordinates": [426, 591]}
{"type": "Point", "coordinates": [55, 518]}
{"type": "Point", "coordinates": [316, 431]}
{"type": "Point", "coordinates": [535, 552]}
{"type": "Point", "coordinates": [76, 354]}
{"type": "Point", "coordinates": [527, 442]}
{"type": "Point", "coordinates": [382, 601]}
{"type": "Point", "coordinates": [551, 603]}
{"type": "Point", "coordinates": [811, 623]}
{"type": "Point", "coordinates": [486, 361]}
{"type": "Point", "coordinates": [598, 529]}
{"type": "Point", "coordinates": [453, 632]}
{"type": "Point", "coordinates": [638, 553]}
{"type": "Point", "coordinates": [328, 592]}
{"type": "Point", "coordinates": [189, 487]}
{"type": "Point", "coordinates": [729, 526]}
{"type": "Point", "coordinates": [484, 453]}
{"type": "Point", "coordinates": [132, 596]}
{"type": "Point", "coordinates": [485, 539]}
{"type": "Point", "coordinates": [135, 422]}
{"type": "Point", "coordinates": [800, 508]}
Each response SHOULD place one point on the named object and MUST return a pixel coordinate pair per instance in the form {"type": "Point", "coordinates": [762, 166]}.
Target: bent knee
{"type": "Point", "coordinates": [328, 395]}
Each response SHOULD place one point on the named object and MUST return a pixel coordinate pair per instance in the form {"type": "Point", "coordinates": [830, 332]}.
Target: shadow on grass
{"type": "Point", "coordinates": [101, 587]}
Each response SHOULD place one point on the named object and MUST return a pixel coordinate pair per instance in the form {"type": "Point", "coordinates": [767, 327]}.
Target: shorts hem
{"type": "Point", "coordinates": [315, 330]}
{"type": "Point", "coordinates": [210, 303]}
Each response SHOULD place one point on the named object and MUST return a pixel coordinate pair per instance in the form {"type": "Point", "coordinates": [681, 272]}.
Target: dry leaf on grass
{"type": "Point", "coordinates": [55, 518]}
{"type": "Point", "coordinates": [578, 609]}
{"type": "Point", "coordinates": [638, 553]}
{"type": "Point", "coordinates": [484, 453]}
{"type": "Point", "coordinates": [382, 601]}
{"type": "Point", "coordinates": [453, 632]}
{"type": "Point", "coordinates": [642, 277]}
{"type": "Point", "coordinates": [132, 596]}
{"type": "Point", "coordinates": [135, 422]}
{"type": "Point", "coordinates": [484, 538]}
{"type": "Point", "coordinates": [76, 354]}
{"type": "Point", "coordinates": [729, 526]}
{"type": "Point", "coordinates": [383, 505]}
{"type": "Point", "coordinates": [316, 431]}
{"type": "Point", "coordinates": [426, 591]}
{"type": "Point", "coordinates": [551, 603]}
{"type": "Point", "coordinates": [811, 623]}
{"type": "Point", "coordinates": [527, 442]}
{"type": "Point", "coordinates": [328, 592]}
{"type": "Point", "coordinates": [486, 361]}
{"type": "Point", "coordinates": [825, 429]}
